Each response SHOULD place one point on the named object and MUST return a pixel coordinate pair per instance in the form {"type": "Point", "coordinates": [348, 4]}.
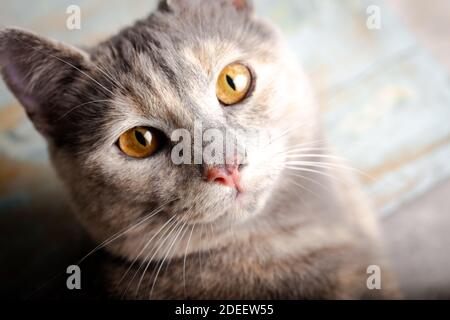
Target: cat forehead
{"type": "Point", "coordinates": [212, 55]}
{"type": "Point", "coordinates": [168, 66]}
{"type": "Point", "coordinates": [175, 89]}
{"type": "Point", "coordinates": [178, 86]}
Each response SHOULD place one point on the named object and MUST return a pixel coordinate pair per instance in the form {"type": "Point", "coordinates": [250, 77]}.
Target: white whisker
{"type": "Point", "coordinates": [172, 227]}
{"type": "Point", "coordinates": [165, 257]}
{"type": "Point", "coordinates": [126, 230]}
{"type": "Point", "coordinates": [184, 260]}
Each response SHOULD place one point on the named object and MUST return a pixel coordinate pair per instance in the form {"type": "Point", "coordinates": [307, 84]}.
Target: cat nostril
{"type": "Point", "coordinates": [222, 175]}
{"type": "Point", "coordinates": [220, 180]}
{"type": "Point", "coordinates": [216, 174]}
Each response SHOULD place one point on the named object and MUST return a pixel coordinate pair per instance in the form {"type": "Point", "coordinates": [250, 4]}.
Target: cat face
{"type": "Point", "coordinates": [112, 117]}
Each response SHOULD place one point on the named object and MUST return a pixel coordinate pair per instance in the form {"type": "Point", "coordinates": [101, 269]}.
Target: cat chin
{"type": "Point", "coordinates": [213, 227]}
{"type": "Point", "coordinates": [233, 209]}
{"type": "Point", "coordinates": [246, 206]}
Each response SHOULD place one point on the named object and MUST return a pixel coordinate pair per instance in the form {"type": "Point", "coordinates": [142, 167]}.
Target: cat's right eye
{"type": "Point", "coordinates": [139, 142]}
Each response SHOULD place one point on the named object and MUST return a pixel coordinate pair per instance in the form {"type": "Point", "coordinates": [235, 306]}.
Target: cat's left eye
{"type": "Point", "coordinates": [233, 84]}
{"type": "Point", "coordinates": [140, 142]}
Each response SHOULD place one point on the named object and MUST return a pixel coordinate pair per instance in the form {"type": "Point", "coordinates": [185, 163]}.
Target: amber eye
{"type": "Point", "coordinates": [233, 84]}
{"type": "Point", "coordinates": [139, 142]}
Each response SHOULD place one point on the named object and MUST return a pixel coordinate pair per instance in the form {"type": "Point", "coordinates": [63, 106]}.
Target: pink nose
{"type": "Point", "coordinates": [227, 175]}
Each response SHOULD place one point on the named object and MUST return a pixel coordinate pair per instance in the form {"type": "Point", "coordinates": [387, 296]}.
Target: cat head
{"type": "Point", "coordinates": [119, 118]}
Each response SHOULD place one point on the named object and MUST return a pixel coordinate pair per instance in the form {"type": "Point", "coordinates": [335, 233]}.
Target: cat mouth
{"type": "Point", "coordinates": [239, 188]}
{"type": "Point", "coordinates": [239, 195]}
{"type": "Point", "coordinates": [239, 191]}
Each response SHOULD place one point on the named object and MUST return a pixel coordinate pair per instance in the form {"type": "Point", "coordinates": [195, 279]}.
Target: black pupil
{"type": "Point", "coordinates": [140, 138]}
{"type": "Point", "coordinates": [231, 82]}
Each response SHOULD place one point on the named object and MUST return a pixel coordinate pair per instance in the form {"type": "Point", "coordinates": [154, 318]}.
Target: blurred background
{"type": "Point", "coordinates": [384, 94]}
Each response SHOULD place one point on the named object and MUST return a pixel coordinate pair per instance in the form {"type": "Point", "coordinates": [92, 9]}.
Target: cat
{"type": "Point", "coordinates": [281, 218]}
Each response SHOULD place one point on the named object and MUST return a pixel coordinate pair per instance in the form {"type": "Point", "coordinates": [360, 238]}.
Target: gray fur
{"type": "Point", "coordinates": [279, 241]}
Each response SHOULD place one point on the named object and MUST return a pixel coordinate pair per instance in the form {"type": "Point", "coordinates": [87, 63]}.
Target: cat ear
{"type": "Point", "coordinates": [242, 5]}
{"type": "Point", "coordinates": [38, 71]}
{"type": "Point", "coordinates": [165, 5]}
{"type": "Point", "coordinates": [174, 5]}
{"type": "Point", "coordinates": [239, 5]}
